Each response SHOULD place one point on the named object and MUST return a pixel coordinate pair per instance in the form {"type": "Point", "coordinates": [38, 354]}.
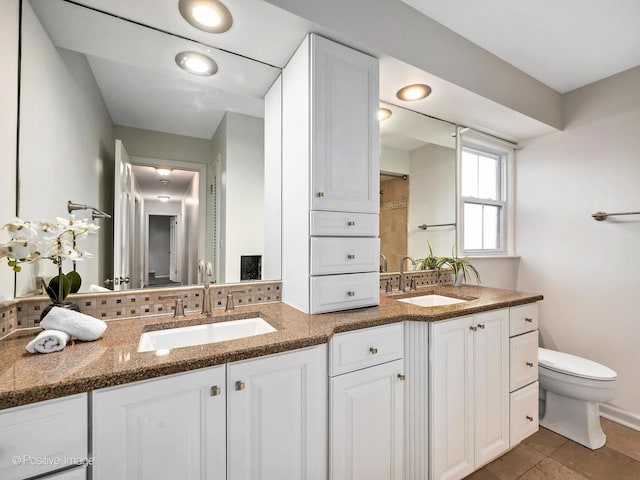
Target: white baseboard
{"type": "Point", "coordinates": [620, 416]}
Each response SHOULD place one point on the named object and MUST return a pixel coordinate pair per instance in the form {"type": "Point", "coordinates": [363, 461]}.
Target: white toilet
{"type": "Point", "coordinates": [574, 387]}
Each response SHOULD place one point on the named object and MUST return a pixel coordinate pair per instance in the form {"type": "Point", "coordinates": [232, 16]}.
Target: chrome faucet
{"type": "Point", "coordinates": [383, 267]}
{"type": "Point", "coordinates": [206, 272]}
{"type": "Point", "coordinates": [413, 262]}
{"type": "Point", "coordinates": [230, 304]}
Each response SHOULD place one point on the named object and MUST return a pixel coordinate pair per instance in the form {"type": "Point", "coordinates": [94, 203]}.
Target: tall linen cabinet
{"type": "Point", "coordinates": [330, 178]}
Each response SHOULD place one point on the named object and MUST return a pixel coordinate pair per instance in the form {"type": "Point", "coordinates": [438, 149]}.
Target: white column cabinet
{"type": "Point", "coordinates": [469, 407]}
{"type": "Point", "coordinates": [171, 427]}
{"type": "Point", "coordinates": [277, 417]}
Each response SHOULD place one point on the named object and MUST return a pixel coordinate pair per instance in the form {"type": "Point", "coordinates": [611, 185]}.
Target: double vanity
{"type": "Point", "coordinates": [393, 391]}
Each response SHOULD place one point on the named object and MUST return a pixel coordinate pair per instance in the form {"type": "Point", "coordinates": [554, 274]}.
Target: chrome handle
{"type": "Point", "coordinates": [108, 281]}
{"type": "Point", "coordinates": [215, 391]}
{"type": "Point", "coordinates": [530, 418]}
{"type": "Point", "coordinates": [473, 329]}
{"type": "Point", "coordinates": [321, 194]}
{"type": "Point", "coordinates": [351, 257]}
{"type": "Point", "coordinates": [481, 326]}
{"type": "Point", "coordinates": [529, 320]}
{"type": "Point", "coordinates": [401, 377]}
{"type": "Point", "coordinates": [239, 385]}
{"type": "Point", "coordinates": [351, 293]}
{"type": "Point", "coordinates": [529, 364]}
{"type": "Point", "coordinates": [373, 350]}
{"type": "Point", "coordinates": [351, 223]}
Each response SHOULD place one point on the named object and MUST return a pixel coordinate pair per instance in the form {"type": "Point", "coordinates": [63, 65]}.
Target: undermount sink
{"type": "Point", "coordinates": [431, 300]}
{"type": "Point", "coordinates": [165, 340]}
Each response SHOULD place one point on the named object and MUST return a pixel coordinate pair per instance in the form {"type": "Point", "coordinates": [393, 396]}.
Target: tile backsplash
{"type": "Point", "coordinates": [423, 278]}
{"type": "Point", "coordinates": [25, 312]}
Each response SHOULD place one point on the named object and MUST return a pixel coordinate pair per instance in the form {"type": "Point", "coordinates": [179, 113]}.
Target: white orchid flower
{"type": "Point", "coordinates": [20, 229]}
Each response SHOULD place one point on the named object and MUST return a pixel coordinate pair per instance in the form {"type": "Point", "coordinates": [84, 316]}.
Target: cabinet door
{"type": "Point", "coordinates": [451, 406]}
{"type": "Point", "coordinates": [277, 417]}
{"type": "Point", "coordinates": [367, 423]}
{"type": "Point", "coordinates": [172, 427]}
{"type": "Point", "coordinates": [491, 385]}
{"type": "Point", "coordinates": [344, 128]}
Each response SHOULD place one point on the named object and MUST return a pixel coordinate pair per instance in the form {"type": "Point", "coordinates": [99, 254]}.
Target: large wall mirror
{"type": "Point", "coordinates": [180, 160]}
{"type": "Point", "coordinates": [417, 185]}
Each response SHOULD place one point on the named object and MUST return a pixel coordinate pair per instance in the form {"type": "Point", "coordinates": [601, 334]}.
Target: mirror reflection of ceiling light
{"type": "Point", "coordinates": [411, 93]}
{"type": "Point", "coordinates": [164, 172]}
{"type": "Point", "coordinates": [207, 15]}
{"type": "Point", "coordinates": [384, 113]}
{"type": "Point", "coordinates": [164, 181]}
{"type": "Point", "coordinates": [196, 63]}
{"type": "Point", "coordinates": [164, 198]}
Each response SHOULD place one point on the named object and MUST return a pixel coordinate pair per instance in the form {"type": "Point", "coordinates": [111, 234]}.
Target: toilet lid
{"type": "Point", "coordinates": [573, 365]}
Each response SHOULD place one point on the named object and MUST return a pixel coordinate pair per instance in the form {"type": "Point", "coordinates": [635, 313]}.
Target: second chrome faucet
{"type": "Point", "coordinates": [206, 272]}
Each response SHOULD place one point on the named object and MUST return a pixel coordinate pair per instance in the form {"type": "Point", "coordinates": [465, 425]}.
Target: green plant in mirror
{"type": "Point", "coordinates": [431, 262]}
{"type": "Point", "coordinates": [461, 267]}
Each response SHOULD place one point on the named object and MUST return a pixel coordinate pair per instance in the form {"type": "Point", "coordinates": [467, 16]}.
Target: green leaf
{"type": "Point", "coordinates": [54, 285]}
{"type": "Point", "coordinates": [75, 280]}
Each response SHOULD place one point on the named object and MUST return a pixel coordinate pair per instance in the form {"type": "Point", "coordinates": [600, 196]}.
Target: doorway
{"type": "Point", "coordinates": [163, 250]}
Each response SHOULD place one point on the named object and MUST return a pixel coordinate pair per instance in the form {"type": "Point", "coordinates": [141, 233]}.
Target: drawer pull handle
{"type": "Point", "coordinates": [239, 385]}
{"type": "Point", "coordinates": [530, 418]}
{"type": "Point", "coordinates": [401, 377]}
{"type": "Point", "coordinates": [528, 320]}
{"type": "Point", "coordinates": [473, 329]}
{"type": "Point", "coordinates": [481, 326]}
{"type": "Point", "coordinates": [351, 293]}
{"type": "Point", "coordinates": [351, 256]}
{"type": "Point", "coordinates": [321, 194]}
{"type": "Point", "coordinates": [373, 350]}
{"type": "Point", "coordinates": [351, 223]}
{"type": "Point", "coordinates": [215, 391]}
{"type": "Point", "coordinates": [529, 364]}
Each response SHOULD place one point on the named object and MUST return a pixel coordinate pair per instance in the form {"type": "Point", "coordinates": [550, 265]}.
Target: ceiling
{"type": "Point", "coordinates": [564, 44]}
{"type": "Point", "coordinates": [149, 183]}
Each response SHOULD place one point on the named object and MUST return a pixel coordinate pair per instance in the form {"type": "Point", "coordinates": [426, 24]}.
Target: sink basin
{"type": "Point", "coordinates": [431, 300]}
{"type": "Point", "coordinates": [165, 340]}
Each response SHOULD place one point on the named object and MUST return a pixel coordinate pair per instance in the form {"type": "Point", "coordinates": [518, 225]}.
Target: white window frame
{"type": "Point", "coordinates": [505, 153]}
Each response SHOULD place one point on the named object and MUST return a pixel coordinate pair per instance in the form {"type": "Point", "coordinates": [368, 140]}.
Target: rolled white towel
{"type": "Point", "coordinates": [48, 341]}
{"type": "Point", "coordinates": [76, 324]}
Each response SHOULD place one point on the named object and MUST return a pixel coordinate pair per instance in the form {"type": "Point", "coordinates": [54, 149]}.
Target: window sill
{"type": "Point", "coordinates": [499, 257]}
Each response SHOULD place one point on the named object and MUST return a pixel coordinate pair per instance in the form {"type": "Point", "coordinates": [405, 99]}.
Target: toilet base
{"type": "Point", "coordinates": [578, 420]}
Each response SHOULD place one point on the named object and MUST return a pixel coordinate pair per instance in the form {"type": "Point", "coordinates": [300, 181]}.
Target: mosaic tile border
{"type": "Point", "coordinates": [423, 277]}
{"type": "Point", "coordinates": [8, 317]}
{"type": "Point", "coordinates": [137, 303]}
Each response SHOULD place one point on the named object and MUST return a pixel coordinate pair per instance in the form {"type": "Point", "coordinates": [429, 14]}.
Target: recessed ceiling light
{"type": "Point", "coordinates": [164, 181]}
{"type": "Point", "coordinates": [196, 63]}
{"type": "Point", "coordinates": [207, 15]}
{"type": "Point", "coordinates": [163, 172]}
{"type": "Point", "coordinates": [384, 113]}
{"type": "Point", "coordinates": [164, 198]}
{"type": "Point", "coordinates": [414, 92]}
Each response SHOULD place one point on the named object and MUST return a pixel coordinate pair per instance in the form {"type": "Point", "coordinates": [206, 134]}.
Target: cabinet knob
{"type": "Point", "coordinates": [351, 256]}
{"type": "Point", "coordinates": [528, 320]}
{"type": "Point", "coordinates": [373, 350]}
{"type": "Point", "coordinates": [215, 391]}
{"type": "Point", "coordinates": [239, 385]}
{"type": "Point", "coordinates": [530, 418]}
{"type": "Point", "coordinates": [529, 364]}
{"type": "Point", "coordinates": [472, 328]}
{"type": "Point", "coordinates": [321, 194]}
{"type": "Point", "coordinates": [351, 293]}
{"type": "Point", "coordinates": [351, 223]}
{"type": "Point", "coordinates": [481, 326]}
{"type": "Point", "coordinates": [401, 377]}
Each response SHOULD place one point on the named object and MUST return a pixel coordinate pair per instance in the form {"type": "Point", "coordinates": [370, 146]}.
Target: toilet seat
{"type": "Point", "coordinates": [568, 364]}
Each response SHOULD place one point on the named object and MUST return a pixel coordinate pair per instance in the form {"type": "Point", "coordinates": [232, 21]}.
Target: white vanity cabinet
{"type": "Point", "coordinates": [277, 416]}
{"type": "Point", "coordinates": [169, 427]}
{"type": "Point", "coordinates": [44, 437]}
{"type": "Point", "coordinates": [367, 404]}
{"type": "Point", "coordinates": [469, 393]}
{"type": "Point", "coordinates": [330, 184]}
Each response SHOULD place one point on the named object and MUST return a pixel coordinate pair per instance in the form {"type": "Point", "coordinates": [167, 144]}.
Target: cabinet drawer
{"type": "Point", "coordinates": [523, 319]}
{"type": "Point", "coordinates": [342, 292]}
{"type": "Point", "coordinates": [524, 360]}
{"type": "Point", "coordinates": [351, 351]}
{"type": "Point", "coordinates": [524, 413]}
{"type": "Point", "coordinates": [345, 224]}
{"type": "Point", "coordinates": [53, 431]}
{"type": "Point", "coordinates": [330, 255]}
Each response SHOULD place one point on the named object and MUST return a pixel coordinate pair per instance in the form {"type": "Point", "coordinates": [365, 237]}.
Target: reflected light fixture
{"type": "Point", "coordinates": [196, 63]}
{"type": "Point", "coordinates": [210, 16]}
{"type": "Point", "coordinates": [163, 172]}
{"type": "Point", "coordinates": [164, 181]}
{"type": "Point", "coordinates": [164, 198]}
{"type": "Point", "coordinates": [414, 92]}
{"type": "Point", "coordinates": [384, 113]}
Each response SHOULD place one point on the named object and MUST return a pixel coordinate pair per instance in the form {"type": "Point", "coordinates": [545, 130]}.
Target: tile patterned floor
{"type": "Point", "coordinates": [549, 456]}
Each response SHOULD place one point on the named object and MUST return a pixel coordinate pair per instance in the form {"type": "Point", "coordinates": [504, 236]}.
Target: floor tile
{"type": "Point", "coordinates": [514, 463]}
{"type": "Point", "coordinates": [622, 439]}
{"type": "Point", "coordinates": [481, 474]}
{"type": "Point", "coordinates": [545, 441]}
{"type": "Point", "coordinates": [601, 464]}
{"type": "Point", "coordinates": [549, 469]}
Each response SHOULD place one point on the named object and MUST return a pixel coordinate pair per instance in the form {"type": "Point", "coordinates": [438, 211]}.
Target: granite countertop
{"type": "Point", "coordinates": [114, 360]}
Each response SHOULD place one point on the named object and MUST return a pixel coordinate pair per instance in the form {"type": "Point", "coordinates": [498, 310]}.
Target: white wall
{"type": "Point", "coordinates": [432, 200]}
{"type": "Point", "coordinates": [587, 270]}
{"type": "Point", "coordinates": [66, 141]}
{"type": "Point", "coordinates": [191, 219]}
{"type": "Point", "coordinates": [9, 26]}
{"type": "Point", "coordinates": [219, 149]}
{"type": "Point", "coordinates": [394, 161]}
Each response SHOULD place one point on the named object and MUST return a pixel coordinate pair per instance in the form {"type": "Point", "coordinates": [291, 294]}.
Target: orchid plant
{"type": "Point", "coordinates": [57, 241]}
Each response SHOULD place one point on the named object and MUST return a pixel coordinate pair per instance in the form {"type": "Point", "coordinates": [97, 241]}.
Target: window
{"type": "Point", "coordinates": [484, 200]}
